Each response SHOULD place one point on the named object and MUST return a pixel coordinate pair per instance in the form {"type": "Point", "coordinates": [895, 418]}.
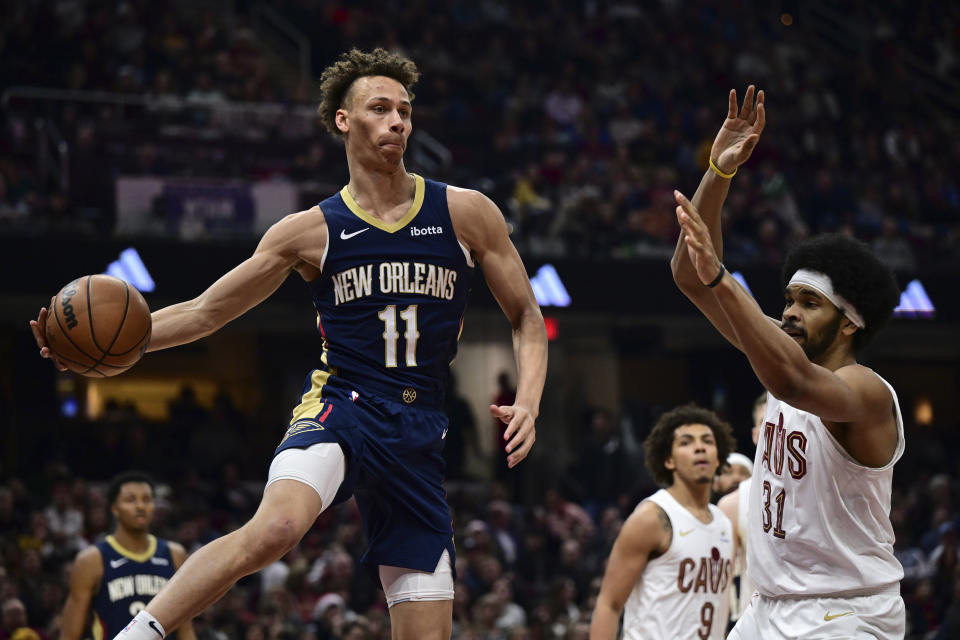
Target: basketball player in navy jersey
{"type": "Point", "coordinates": [389, 261]}
{"type": "Point", "coordinates": [115, 578]}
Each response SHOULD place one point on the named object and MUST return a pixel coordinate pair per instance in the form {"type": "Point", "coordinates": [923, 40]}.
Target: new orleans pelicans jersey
{"type": "Point", "coordinates": [391, 297]}
{"type": "Point", "coordinates": [819, 520]}
{"type": "Point", "coordinates": [129, 581]}
{"type": "Point", "coordinates": [683, 593]}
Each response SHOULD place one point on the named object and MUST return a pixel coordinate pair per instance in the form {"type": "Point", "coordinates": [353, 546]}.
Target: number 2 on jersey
{"type": "Point", "coordinates": [391, 335]}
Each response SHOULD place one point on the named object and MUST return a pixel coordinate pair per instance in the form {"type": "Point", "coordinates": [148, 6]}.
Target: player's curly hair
{"type": "Point", "coordinates": [659, 443]}
{"type": "Point", "coordinates": [336, 80]}
{"type": "Point", "coordinates": [857, 274]}
{"type": "Point", "coordinates": [126, 477]}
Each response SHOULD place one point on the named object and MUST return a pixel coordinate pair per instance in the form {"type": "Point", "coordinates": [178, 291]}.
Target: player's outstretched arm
{"type": "Point", "coordinates": [732, 147]}
{"type": "Point", "coordinates": [645, 534]}
{"type": "Point", "coordinates": [852, 394]}
{"type": "Point", "coordinates": [245, 286]}
{"type": "Point", "coordinates": [481, 227]}
{"type": "Point", "coordinates": [179, 554]}
{"type": "Point", "coordinates": [85, 576]}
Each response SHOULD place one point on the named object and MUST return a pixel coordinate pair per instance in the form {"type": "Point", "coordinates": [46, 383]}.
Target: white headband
{"type": "Point", "coordinates": [740, 459]}
{"type": "Point", "coordinates": [821, 282]}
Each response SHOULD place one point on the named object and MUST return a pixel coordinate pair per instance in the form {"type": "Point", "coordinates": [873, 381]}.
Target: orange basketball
{"type": "Point", "coordinates": [98, 326]}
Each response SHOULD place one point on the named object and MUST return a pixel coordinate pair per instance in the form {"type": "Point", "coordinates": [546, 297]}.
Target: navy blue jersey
{"type": "Point", "coordinates": [129, 582]}
{"type": "Point", "coordinates": [391, 297]}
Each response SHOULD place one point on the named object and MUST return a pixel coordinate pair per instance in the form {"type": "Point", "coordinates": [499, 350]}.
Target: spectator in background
{"type": "Point", "coordinates": [14, 625]}
{"type": "Point", "coordinates": [461, 433]}
{"type": "Point", "coordinates": [894, 249]}
{"type": "Point", "coordinates": [602, 469]}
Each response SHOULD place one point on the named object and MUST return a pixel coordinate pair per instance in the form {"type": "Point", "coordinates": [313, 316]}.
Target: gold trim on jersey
{"type": "Point", "coordinates": [96, 627]}
{"type": "Point", "coordinates": [136, 557]}
{"type": "Point", "coordinates": [380, 224]}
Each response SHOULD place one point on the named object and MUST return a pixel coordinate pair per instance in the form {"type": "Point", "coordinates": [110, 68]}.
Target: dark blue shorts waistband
{"type": "Point", "coordinates": [400, 393]}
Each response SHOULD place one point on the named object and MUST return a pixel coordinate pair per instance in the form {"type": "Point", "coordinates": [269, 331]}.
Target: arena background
{"type": "Point", "coordinates": [182, 129]}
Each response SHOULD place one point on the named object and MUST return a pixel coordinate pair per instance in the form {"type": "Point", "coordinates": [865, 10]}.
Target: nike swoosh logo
{"type": "Point", "coordinates": [346, 236]}
{"type": "Point", "coordinates": [119, 562]}
{"type": "Point", "coordinates": [153, 625]}
{"type": "Point", "coordinates": [827, 617]}
{"type": "Point", "coordinates": [686, 533]}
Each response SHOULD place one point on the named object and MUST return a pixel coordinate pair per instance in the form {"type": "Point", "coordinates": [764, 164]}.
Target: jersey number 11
{"type": "Point", "coordinates": [391, 335]}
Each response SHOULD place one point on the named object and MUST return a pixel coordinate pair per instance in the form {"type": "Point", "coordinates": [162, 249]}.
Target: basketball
{"type": "Point", "coordinates": [98, 326]}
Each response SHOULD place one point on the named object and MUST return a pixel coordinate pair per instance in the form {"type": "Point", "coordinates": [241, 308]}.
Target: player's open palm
{"type": "Point", "coordinates": [740, 131]}
{"type": "Point", "coordinates": [697, 238]}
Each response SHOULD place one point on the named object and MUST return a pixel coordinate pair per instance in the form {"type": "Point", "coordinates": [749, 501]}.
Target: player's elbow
{"type": "Point", "coordinates": [530, 321]}
{"type": "Point", "coordinates": [684, 277]}
{"type": "Point", "coordinates": [608, 604]}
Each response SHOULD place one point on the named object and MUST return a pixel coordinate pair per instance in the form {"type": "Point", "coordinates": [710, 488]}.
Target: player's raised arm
{"type": "Point", "coordinates": [732, 147]}
{"type": "Point", "coordinates": [245, 286]}
{"type": "Point", "coordinates": [84, 577]}
{"type": "Point", "coordinates": [845, 394]}
{"type": "Point", "coordinates": [645, 534]}
{"type": "Point", "coordinates": [480, 225]}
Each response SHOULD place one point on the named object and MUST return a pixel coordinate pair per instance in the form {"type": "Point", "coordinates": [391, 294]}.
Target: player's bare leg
{"type": "Point", "coordinates": [287, 511]}
{"type": "Point", "coordinates": [430, 620]}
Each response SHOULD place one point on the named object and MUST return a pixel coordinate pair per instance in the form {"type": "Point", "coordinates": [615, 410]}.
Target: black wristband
{"type": "Point", "coordinates": [719, 277]}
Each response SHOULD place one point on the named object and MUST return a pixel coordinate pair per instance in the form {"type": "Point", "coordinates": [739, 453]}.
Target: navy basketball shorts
{"type": "Point", "coordinates": [395, 466]}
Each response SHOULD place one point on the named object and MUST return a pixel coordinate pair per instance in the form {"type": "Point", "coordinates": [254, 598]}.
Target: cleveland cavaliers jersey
{"type": "Point", "coordinates": [390, 297]}
{"type": "Point", "coordinates": [683, 593]}
{"type": "Point", "coordinates": [819, 520]}
{"type": "Point", "coordinates": [745, 589]}
{"type": "Point", "coordinates": [129, 581]}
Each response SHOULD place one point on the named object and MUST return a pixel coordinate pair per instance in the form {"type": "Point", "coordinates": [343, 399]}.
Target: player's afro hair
{"type": "Point", "coordinates": [336, 80]}
{"type": "Point", "coordinates": [124, 478]}
{"type": "Point", "coordinates": [857, 274]}
{"type": "Point", "coordinates": [659, 443]}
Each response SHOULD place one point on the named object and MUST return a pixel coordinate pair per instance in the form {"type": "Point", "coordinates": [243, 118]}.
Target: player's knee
{"type": "Point", "coordinates": [270, 539]}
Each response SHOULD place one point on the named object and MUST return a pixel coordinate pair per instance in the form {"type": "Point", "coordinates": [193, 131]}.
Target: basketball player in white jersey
{"type": "Point", "coordinates": [820, 551]}
{"type": "Point", "coordinates": [671, 563]}
{"type": "Point", "coordinates": [734, 505]}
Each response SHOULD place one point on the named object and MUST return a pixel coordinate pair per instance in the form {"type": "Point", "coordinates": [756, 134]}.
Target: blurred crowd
{"type": "Point", "coordinates": [527, 567]}
{"type": "Point", "coordinates": [578, 119]}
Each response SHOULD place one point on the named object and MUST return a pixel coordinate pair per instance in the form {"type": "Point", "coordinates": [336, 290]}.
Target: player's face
{"type": "Point", "coordinates": [810, 319]}
{"type": "Point", "coordinates": [377, 120]}
{"type": "Point", "coordinates": [133, 507]}
{"type": "Point", "coordinates": [730, 478]}
{"type": "Point", "coordinates": [693, 456]}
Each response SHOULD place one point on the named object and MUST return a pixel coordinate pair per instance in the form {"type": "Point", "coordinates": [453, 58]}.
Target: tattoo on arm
{"type": "Point", "coordinates": [667, 532]}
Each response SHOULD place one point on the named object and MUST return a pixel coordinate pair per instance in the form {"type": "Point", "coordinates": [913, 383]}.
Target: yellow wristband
{"type": "Point", "coordinates": [717, 171]}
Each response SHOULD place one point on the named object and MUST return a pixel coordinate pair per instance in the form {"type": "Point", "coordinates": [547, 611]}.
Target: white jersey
{"type": "Point", "coordinates": [741, 599]}
{"type": "Point", "coordinates": [819, 521]}
{"type": "Point", "coordinates": [682, 595]}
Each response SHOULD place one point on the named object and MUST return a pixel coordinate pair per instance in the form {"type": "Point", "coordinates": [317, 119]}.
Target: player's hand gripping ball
{"type": "Point", "coordinates": [98, 326]}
